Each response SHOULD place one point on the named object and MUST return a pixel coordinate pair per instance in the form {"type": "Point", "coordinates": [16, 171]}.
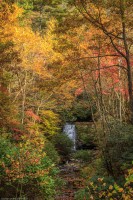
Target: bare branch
{"type": "Point", "coordinates": [101, 56]}
{"type": "Point", "coordinates": [106, 67]}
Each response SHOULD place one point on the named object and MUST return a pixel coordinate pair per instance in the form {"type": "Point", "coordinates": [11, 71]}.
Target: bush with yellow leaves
{"type": "Point", "coordinates": [108, 189]}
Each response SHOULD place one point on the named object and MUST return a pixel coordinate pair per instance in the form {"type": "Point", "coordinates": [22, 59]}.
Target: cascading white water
{"type": "Point", "coordinates": [70, 131]}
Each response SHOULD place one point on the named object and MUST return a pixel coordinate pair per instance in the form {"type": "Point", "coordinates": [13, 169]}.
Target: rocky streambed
{"type": "Point", "coordinates": [70, 174]}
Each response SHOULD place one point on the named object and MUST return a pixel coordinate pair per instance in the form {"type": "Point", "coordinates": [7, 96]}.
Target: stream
{"type": "Point", "coordinates": [69, 172]}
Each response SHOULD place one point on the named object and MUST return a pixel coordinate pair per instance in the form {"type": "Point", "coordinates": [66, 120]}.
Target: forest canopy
{"type": "Point", "coordinates": [66, 61]}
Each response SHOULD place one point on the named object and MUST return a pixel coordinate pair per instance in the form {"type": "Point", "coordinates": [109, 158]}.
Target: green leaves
{"type": "Point", "coordinates": [26, 4]}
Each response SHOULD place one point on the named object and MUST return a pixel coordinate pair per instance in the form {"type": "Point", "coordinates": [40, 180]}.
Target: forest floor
{"type": "Point", "coordinates": [70, 174]}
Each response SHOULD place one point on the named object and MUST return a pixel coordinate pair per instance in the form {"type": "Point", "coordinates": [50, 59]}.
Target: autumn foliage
{"type": "Point", "coordinates": [64, 61]}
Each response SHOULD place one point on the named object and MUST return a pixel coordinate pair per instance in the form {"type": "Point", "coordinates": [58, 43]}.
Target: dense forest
{"type": "Point", "coordinates": [66, 63]}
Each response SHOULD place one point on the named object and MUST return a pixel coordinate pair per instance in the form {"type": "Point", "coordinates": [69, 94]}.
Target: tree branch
{"type": "Point", "coordinates": [101, 56]}
{"type": "Point", "coordinates": [106, 67]}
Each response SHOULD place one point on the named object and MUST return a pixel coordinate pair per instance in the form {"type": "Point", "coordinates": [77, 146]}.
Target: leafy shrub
{"type": "Point", "coordinates": [79, 110]}
{"type": "Point", "coordinates": [25, 169]}
{"type": "Point", "coordinates": [107, 188]}
{"type": "Point", "coordinates": [83, 155]}
{"type": "Point", "coordinates": [63, 145]}
{"type": "Point", "coordinates": [46, 122]}
{"type": "Point", "coordinates": [117, 147]}
{"type": "Point", "coordinates": [94, 168]}
{"type": "Point", "coordinates": [85, 135]}
{"type": "Point", "coordinates": [51, 152]}
{"type": "Point", "coordinates": [82, 110]}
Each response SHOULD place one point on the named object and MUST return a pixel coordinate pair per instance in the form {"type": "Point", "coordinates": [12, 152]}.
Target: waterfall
{"type": "Point", "coordinates": [70, 131]}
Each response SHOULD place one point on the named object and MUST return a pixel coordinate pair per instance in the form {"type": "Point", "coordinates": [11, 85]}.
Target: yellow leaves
{"type": "Point", "coordinates": [50, 121]}
{"type": "Point", "coordinates": [8, 156]}
{"type": "Point", "coordinates": [51, 25]}
{"type": "Point", "coordinates": [114, 192]}
{"type": "Point", "coordinates": [8, 22]}
{"type": "Point", "coordinates": [35, 51]}
{"type": "Point", "coordinates": [130, 172]}
{"type": "Point", "coordinates": [10, 13]}
{"type": "Point", "coordinates": [127, 197]}
{"type": "Point", "coordinates": [109, 194]}
{"type": "Point", "coordinates": [20, 145]}
{"type": "Point", "coordinates": [91, 183]}
{"type": "Point", "coordinates": [17, 12]}
{"type": "Point", "coordinates": [50, 41]}
{"type": "Point", "coordinates": [110, 187]}
{"type": "Point", "coordinates": [49, 114]}
{"type": "Point", "coordinates": [120, 190]}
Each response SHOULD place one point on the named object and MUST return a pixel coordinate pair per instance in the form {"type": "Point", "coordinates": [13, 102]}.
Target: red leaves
{"type": "Point", "coordinates": [31, 114]}
{"type": "Point", "coordinates": [78, 91]}
{"type": "Point", "coordinates": [17, 134]}
{"type": "Point", "coordinates": [105, 92]}
{"type": "Point", "coordinates": [3, 90]}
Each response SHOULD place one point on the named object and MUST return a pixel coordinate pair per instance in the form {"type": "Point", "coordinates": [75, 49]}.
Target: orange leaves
{"type": "Point", "coordinates": [78, 91]}
{"type": "Point", "coordinates": [8, 15]}
{"type": "Point", "coordinates": [35, 51]}
{"type": "Point", "coordinates": [25, 161]}
{"type": "Point", "coordinates": [17, 12]}
{"type": "Point", "coordinates": [31, 114]}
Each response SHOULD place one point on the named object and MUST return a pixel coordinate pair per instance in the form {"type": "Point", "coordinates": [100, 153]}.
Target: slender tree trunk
{"type": "Point", "coordinates": [24, 98]}
{"type": "Point", "coordinates": [97, 22]}
{"type": "Point", "coordinates": [129, 71]}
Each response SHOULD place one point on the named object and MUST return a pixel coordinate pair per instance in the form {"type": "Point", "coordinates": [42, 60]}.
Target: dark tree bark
{"type": "Point", "coordinates": [120, 37]}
